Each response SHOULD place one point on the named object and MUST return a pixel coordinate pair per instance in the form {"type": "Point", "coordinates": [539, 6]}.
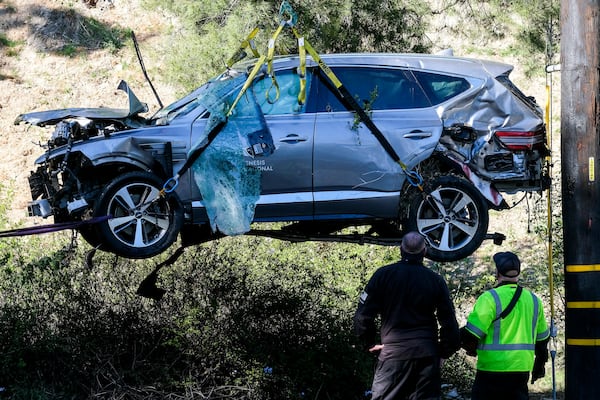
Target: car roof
{"type": "Point", "coordinates": [430, 62]}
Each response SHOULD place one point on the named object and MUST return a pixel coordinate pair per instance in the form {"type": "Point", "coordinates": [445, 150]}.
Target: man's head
{"type": "Point", "coordinates": [413, 246]}
{"type": "Point", "coordinates": [507, 264]}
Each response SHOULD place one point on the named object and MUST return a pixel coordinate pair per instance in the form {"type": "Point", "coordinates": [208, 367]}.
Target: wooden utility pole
{"type": "Point", "coordinates": [580, 148]}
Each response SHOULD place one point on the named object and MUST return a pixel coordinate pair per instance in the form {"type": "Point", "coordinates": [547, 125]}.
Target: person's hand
{"type": "Point", "coordinates": [539, 370]}
{"type": "Point", "coordinates": [469, 342]}
{"type": "Point", "coordinates": [376, 348]}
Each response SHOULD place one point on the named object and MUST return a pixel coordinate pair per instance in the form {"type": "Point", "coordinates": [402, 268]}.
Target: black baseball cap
{"type": "Point", "coordinates": [507, 264]}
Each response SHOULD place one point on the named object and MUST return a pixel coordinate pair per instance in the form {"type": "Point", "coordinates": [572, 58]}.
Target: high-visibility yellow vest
{"type": "Point", "coordinates": [507, 345]}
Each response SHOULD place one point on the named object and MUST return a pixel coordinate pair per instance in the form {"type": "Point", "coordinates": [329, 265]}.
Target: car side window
{"type": "Point", "coordinates": [374, 89]}
{"type": "Point", "coordinates": [440, 88]}
{"type": "Point", "coordinates": [289, 88]}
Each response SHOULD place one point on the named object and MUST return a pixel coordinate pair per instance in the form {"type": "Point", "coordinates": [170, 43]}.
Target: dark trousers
{"type": "Point", "coordinates": [416, 379]}
{"type": "Point", "coordinates": [500, 386]}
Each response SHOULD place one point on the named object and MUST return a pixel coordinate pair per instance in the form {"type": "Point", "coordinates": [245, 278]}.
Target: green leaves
{"type": "Point", "coordinates": [213, 31]}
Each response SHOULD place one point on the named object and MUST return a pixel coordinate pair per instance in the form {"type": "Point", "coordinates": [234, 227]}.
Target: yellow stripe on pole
{"type": "Point", "coordinates": [583, 304]}
{"type": "Point", "coordinates": [583, 342]}
{"type": "Point", "coordinates": [583, 268]}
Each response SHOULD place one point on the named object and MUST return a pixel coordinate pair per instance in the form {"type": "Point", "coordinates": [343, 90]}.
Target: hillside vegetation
{"type": "Point", "coordinates": [244, 317]}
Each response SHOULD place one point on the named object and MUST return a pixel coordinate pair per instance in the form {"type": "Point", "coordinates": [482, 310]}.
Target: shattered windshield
{"type": "Point", "coordinates": [205, 96]}
{"type": "Point", "coordinates": [229, 188]}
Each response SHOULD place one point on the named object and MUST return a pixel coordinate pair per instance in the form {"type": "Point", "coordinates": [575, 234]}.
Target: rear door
{"type": "Point", "coordinates": [354, 176]}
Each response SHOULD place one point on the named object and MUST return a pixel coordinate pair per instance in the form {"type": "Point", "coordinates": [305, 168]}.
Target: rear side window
{"type": "Point", "coordinates": [373, 88]}
{"type": "Point", "coordinates": [440, 88]}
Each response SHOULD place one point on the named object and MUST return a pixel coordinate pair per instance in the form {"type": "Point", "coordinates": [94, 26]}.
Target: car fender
{"type": "Point", "coordinates": [126, 150]}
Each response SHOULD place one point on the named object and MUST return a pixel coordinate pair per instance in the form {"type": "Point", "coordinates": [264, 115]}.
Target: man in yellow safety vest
{"type": "Point", "coordinates": [507, 331]}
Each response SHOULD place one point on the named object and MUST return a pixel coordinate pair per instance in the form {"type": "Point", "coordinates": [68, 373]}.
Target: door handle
{"type": "Point", "coordinates": [417, 134]}
{"type": "Point", "coordinates": [293, 138]}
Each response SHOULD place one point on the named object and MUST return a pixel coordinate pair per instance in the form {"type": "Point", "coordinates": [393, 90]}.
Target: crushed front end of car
{"type": "Point", "coordinates": [57, 186]}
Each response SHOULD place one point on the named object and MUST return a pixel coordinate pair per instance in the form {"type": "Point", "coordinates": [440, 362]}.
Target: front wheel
{"type": "Point", "coordinates": [452, 216]}
{"type": "Point", "coordinates": [143, 222]}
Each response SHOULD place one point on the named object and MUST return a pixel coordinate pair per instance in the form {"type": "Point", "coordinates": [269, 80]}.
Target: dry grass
{"type": "Point", "coordinates": [34, 77]}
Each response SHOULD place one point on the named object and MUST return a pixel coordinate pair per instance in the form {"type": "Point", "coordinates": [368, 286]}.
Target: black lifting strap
{"type": "Point", "coordinates": [511, 305]}
{"type": "Point", "coordinates": [172, 183]}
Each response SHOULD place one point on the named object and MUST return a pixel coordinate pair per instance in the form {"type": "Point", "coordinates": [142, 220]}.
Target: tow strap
{"type": "Point", "coordinates": [413, 177]}
{"type": "Point", "coordinates": [172, 183]}
{"type": "Point", "coordinates": [240, 54]}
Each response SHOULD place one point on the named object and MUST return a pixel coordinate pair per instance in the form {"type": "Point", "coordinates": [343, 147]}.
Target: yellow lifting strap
{"type": "Point", "coordinates": [302, 71]}
{"type": "Point", "coordinates": [315, 56]}
{"type": "Point", "coordinates": [288, 18]}
{"type": "Point", "coordinates": [270, 55]}
{"type": "Point", "coordinates": [240, 54]}
{"type": "Point", "coordinates": [247, 84]}
{"type": "Point", "coordinates": [413, 177]}
{"type": "Point", "coordinates": [261, 61]}
{"type": "Point", "coordinates": [285, 11]}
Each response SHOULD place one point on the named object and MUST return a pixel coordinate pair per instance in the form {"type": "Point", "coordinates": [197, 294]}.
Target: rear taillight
{"type": "Point", "coordinates": [522, 140]}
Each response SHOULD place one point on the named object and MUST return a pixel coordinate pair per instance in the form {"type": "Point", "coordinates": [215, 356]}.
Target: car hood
{"type": "Point", "coordinates": [52, 117]}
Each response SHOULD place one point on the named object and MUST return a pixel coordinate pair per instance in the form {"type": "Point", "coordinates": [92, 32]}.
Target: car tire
{"type": "Point", "coordinates": [452, 216]}
{"type": "Point", "coordinates": [143, 223]}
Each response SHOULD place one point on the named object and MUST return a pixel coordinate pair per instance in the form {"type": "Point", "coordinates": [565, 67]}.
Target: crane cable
{"type": "Point", "coordinates": [548, 114]}
{"type": "Point", "coordinates": [549, 233]}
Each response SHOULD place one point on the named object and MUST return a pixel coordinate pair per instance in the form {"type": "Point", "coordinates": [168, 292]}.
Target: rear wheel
{"type": "Point", "coordinates": [452, 216]}
{"type": "Point", "coordinates": [143, 223]}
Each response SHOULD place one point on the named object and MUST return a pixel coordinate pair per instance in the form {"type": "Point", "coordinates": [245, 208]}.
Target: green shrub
{"type": "Point", "coordinates": [235, 318]}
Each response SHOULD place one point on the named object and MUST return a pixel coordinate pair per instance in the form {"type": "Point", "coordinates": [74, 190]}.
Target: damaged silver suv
{"type": "Point", "coordinates": [290, 152]}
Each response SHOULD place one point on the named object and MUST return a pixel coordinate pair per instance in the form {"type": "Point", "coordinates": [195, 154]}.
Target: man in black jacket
{"type": "Point", "coordinates": [411, 300]}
